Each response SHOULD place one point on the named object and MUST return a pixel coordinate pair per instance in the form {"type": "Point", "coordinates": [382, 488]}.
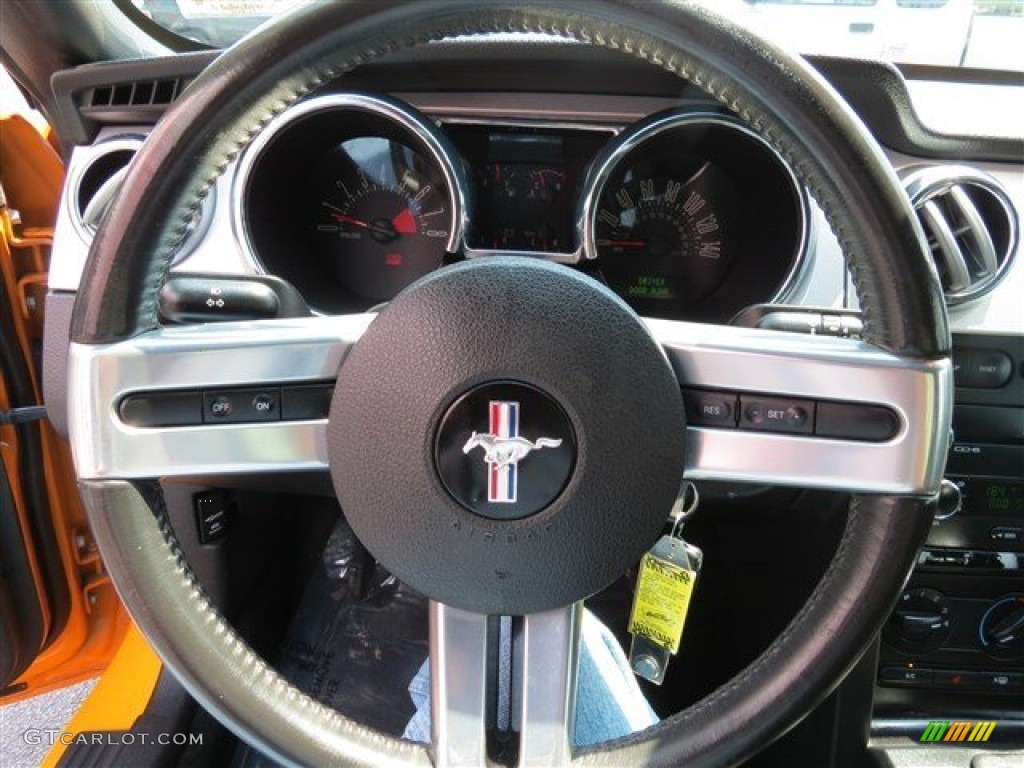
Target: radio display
{"type": "Point", "coordinates": [992, 497]}
{"type": "Point", "coordinates": [998, 498]}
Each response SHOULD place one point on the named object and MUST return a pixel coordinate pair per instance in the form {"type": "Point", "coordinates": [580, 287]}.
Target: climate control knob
{"type": "Point", "coordinates": [920, 621]}
{"type": "Point", "coordinates": [1001, 630]}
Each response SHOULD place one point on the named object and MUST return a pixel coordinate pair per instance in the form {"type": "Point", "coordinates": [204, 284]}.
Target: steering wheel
{"type": "Point", "coordinates": [612, 380]}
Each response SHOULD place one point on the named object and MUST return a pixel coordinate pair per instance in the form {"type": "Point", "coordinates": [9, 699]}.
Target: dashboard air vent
{"type": "Point", "coordinates": [99, 181]}
{"type": "Point", "coordinates": [142, 93]}
{"type": "Point", "coordinates": [971, 227]}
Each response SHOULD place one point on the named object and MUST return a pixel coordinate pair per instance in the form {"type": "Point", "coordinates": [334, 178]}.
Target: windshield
{"type": "Point", "coordinates": [968, 33]}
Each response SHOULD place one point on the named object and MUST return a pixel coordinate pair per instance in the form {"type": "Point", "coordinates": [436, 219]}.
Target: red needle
{"type": "Point", "coordinates": [624, 243]}
{"type": "Point", "coordinates": [350, 220]}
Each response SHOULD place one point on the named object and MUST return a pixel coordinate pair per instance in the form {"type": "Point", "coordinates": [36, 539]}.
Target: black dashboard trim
{"type": "Point", "coordinates": [876, 90]}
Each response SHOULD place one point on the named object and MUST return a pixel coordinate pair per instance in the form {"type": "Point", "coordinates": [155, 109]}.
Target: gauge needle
{"type": "Point", "coordinates": [381, 230]}
{"type": "Point", "coordinates": [623, 243]}
{"type": "Point", "coordinates": [351, 220]}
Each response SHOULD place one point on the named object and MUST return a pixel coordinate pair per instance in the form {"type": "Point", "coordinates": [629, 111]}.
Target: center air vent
{"type": "Point", "coordinates": [971, 227]}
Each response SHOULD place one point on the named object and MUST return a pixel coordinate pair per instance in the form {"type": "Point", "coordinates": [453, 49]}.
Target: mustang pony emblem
{"type": "Point", "coordinates": [507, 450]}
{"type": "Point", "coordinates": [504, 449]}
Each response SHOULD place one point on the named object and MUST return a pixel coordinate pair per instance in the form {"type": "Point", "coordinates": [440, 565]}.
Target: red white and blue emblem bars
{"type": "Point", "coordinates": [502, 478]}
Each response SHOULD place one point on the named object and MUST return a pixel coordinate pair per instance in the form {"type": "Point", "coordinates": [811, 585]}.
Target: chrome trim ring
{"type": "Point", "coordinates": [629, 140]}
{"type": "Point", "coordinates": [418, 126]}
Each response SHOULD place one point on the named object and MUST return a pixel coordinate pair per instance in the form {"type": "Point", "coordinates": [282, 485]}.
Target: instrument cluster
{"type": "Point", "coordinates": [685, 215]}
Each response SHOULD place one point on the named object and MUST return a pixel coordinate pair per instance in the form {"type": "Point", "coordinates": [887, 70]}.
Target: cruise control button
{"type": "Point", "coordinates": [710, 409]}
{"type": "Point", "coordinates": [776, 415]}
{"type": "Point", "coordinates": [242, 405]}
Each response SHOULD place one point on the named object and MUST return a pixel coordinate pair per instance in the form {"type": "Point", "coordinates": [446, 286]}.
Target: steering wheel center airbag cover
{"type": "Point", "coordinates": [545, 326]}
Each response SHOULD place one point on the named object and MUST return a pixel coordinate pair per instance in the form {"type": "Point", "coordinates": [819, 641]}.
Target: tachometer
{"type": "Point", "coordinates": [351, 197]}
{"type": "Point", "coordinates": [383, 218]}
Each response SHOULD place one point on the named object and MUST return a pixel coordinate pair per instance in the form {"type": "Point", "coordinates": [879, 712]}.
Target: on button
{"type": "Point", "coordinates": [264, 404]}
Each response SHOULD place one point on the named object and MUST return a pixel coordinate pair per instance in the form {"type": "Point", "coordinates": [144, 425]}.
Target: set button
{"type": "Point", "coordinates": [777, 415]}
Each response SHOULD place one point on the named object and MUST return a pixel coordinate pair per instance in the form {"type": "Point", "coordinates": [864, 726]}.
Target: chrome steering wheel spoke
{"type": "Point", "coordinates": [815, 373]}
{"type": "Point", "coordinates": [195, 361]}
{"type": "Point", "coordinates": [528, 670]}
{"type": "Point", "coordinates": [737, 363]}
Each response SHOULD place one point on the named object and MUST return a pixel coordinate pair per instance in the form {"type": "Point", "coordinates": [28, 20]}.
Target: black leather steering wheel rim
{"type": "Point", "coordinates": [777, 95]}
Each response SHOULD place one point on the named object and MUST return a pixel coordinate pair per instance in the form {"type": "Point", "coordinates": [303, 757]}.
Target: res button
{"type": "Point", "coordinates": [710, 409]}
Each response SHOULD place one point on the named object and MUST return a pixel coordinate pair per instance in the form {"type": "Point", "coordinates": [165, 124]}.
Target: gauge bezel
{"type": "Point", "coordinates": [421, 131]}
{"type": "Point", "coordinates": [629, 141]}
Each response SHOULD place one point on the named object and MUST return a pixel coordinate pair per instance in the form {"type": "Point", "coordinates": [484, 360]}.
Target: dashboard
{"type": "Point", "coordinates": [603, 165]}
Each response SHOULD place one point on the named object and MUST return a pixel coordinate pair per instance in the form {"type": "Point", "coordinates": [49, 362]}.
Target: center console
{"type": "Point", "coordinates": [959, 624]}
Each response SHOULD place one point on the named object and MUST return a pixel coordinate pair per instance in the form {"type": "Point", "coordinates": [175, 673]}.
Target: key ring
{"type": "Point", "coordinates": [685, 506]}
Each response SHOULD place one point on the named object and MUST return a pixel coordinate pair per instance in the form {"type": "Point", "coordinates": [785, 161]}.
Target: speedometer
{"type": "Point", "coordinates": [692, 215]}
{"type": "Point", "coordinates": [664, 229]}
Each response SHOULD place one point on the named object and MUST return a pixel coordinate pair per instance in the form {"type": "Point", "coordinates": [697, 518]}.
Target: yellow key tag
{"type": "Point", "coordinates": [665, 583]}
{"type": "Point", "coordinates": [662, 599]}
